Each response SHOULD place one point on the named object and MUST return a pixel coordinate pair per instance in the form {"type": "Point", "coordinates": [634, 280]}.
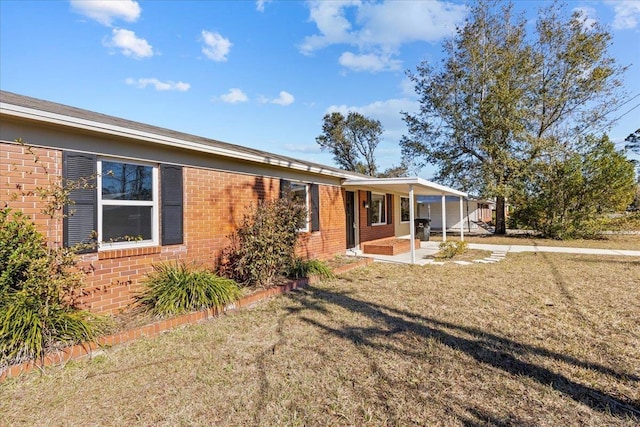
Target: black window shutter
{"type": "Point", "coordinates": [172, 204]}
{"type": "Point", "coordinates": [315, 207]}
{"type": "Point", "coordinates": [389, 208]}
{"type": "Point", "coordinates": [80, 221]}
{"type": "Point", "coordinates": [369, 219]}
{"type": "Point", "coordinates": [285, 187]}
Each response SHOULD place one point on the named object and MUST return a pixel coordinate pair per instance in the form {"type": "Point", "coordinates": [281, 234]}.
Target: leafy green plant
{"type": "Point", "coordinates": [36, 287]}
{"type": "Point", "coordinates": [450, 249]}
{"type": "Point", "coordinates": [263, 247]}
{"type": "Point", "coordinates": [313, 267]}
{"type": "Point", "coordinates": [175, 288]}
{"type": "Point", "coordinates": [32, 326]}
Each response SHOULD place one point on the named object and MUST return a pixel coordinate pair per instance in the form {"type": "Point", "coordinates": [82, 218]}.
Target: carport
{"type": "Point", "coordinates": [412, 187]}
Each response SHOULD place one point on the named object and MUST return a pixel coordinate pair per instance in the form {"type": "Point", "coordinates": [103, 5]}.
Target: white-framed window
{"type": "Point", "coordinates": [378, 209]}
{"type": "Point", "coordinates": [127, 204]}
{"type": "Point", "coordinates": [300, 192]}
{"type": "Point", "coordinates": [404, 209]}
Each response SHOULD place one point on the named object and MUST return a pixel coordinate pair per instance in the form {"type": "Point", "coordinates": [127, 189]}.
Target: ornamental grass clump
{"type": "Point", "coordinates": [37, 283]}
{"type": "Point", "coordinates": [177, 288]}
{"type": "Point", "coordinates": [313, 267]}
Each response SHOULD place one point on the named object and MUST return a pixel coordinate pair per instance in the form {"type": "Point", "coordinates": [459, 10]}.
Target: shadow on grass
{"type": "Point", "coordinates": [486, 348]}
{"type": "Point", "coordinates": [603, 260]}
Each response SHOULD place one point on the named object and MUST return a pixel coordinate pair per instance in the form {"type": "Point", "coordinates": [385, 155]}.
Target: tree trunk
{"type": "Point", "coordinates": [501, 225]}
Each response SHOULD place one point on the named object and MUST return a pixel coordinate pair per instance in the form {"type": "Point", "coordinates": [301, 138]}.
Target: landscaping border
{"type": "Point", "coordinates": [86, 349]}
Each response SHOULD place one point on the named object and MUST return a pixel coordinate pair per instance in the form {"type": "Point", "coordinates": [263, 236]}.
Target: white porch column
{"type": "Point", "coordinates": [412, 228]}
{"type": "Point", "coordinates": [444, 219]}
{"type": "Point", "coordinates": [461, 221]}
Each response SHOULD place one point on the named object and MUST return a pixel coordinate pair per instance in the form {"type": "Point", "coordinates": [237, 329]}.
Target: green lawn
{"type": "Point", "coordinates": [537, 339]}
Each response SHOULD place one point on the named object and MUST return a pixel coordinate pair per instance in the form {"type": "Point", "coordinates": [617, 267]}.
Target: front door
{"type": "Point", "coordinates": [350, 205]}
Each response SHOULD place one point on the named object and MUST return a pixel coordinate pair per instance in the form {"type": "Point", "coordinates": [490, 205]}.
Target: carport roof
{"type": "Point", "coordinates": [421, 187]}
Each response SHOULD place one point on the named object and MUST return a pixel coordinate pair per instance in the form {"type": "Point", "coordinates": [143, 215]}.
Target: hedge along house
{"type": "Point", "coordinates": [162, 195]}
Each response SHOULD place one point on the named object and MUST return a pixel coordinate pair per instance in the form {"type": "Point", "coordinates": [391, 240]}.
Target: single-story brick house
{"type": "Point", "coordinates": [181, 195]}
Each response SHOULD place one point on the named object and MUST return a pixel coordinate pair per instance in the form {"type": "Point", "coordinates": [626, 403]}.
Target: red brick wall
{"type": "Point", "coordinates": [22, 171]}
{"type": "Point", "coordinates": [332, 238]}
{"type": "Point", "coordinates": [371, 232]}
{"type": "Point", "coordinates": [214, 204]}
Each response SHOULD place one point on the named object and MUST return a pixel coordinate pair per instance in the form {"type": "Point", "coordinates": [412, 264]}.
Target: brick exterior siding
{"type": "Point", "coordinates": [214, 204]}
{"type": "Point", "coordinates": [371, 232]}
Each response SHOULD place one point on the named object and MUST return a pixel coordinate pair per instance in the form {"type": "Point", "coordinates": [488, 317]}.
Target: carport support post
{"type": "Point", "coordinates": [444, 219]}
{"type": "Point", "coordinates": [461, 221]}
{"type": "Point", "coordinates": [412, 226]}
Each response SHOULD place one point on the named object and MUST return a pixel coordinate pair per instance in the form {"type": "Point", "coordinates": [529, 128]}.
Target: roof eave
{"type": "Point", "coordinates": [93, 126]}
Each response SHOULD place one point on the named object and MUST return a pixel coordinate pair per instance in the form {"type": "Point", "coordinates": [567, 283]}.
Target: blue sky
{"type": "Point", "coordinates": [255, 73]}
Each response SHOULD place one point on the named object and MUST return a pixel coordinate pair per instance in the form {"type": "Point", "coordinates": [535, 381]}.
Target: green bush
{"type": "Point", "coordinates": [36, 286]}
{"type": "Point", "coordinates": [263, 247]}
{"type": "Point", "coordinates": [305, 268]}
{"type": "Point", "coordinates": [30, 327]}
{"type": "Point", "coordinates": [450, 249]}
{"type": "Point", "coordinates": [176, 288]}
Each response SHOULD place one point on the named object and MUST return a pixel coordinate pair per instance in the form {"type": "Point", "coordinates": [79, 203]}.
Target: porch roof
{"type": "Point", "coordinates": [421, 187]}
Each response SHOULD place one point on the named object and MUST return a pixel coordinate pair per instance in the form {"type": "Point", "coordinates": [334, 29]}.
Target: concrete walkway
{"type": "Point", "coordinates": [534, 248]}
{"type": "Point", "coordinates": [498, 252]}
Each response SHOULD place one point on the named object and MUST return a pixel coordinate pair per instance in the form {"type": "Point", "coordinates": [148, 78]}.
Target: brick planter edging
{"type": "Point", "coordinates": [79, 351]}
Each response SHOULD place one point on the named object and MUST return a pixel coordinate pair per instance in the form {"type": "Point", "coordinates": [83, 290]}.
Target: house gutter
{"type": "Point", "coordinates": [102, 128]}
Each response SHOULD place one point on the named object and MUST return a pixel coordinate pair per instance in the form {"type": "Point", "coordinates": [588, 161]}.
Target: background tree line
{"type": "Point", "coordinates": [513, 112]}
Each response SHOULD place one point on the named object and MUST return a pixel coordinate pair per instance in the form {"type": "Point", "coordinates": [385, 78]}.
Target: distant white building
{"type": "Point", "coordinates": [477, 212]}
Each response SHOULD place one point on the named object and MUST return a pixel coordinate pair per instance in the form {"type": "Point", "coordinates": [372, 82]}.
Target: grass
{"type": "Point", "coordinates": [546, 339]}
{"type": "Point", "coordinates": [624, 242]}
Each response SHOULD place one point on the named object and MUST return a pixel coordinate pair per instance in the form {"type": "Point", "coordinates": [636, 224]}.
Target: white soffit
{"type": "Point", "coordinates": [421, 187]}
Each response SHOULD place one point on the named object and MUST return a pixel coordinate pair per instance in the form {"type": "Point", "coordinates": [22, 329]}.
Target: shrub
{"type": "Point", "coordinates": [305, 268]}
{"type": "Point", "coordinates": [30, 327]}
{"type": "Point", "coordinates": [263, 247]}
{"type": "Point", "coordinates": [176, 288]}
{"type": "Point", "coordinates": [450, 249]}
{"type": "Point", "coordinates": [36, 286]}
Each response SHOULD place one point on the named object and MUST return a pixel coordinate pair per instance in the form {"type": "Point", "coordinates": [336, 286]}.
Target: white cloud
{"type": "Point", "coordinates": [303, 148]}
{"type": "Point", "coordinates": [627, 14]}
{"type": "Point", "coordinates": [106, 11]}
{"type": "Point", "coordinates": [379, 29]}
{"type": "Point", "coordinates": [215, 46]}
{"type": "Point", "coordinates": [407, 87]}
{"type": "Point", "coordinates": [260, 5]}
{"type": "Point", "coordinates": [158, 85]}
{"type": "Point", "coordinates": [588, 15]}
{"type": "Point", "coordinates": [388, 112]}
{"type": "Point", "coordinates": [330, 19]}
{"type": "Point", "coordinates": [284, 99]}
{"type": "Point", "coordinates": [130, 44]}
{"type": "Point", "coordinates": [234, 96]}
{"type": "Point", "coordinates": [368, 62]}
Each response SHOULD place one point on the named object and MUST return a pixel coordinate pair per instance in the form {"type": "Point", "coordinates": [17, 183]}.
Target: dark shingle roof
{"type": "Point", "coordinates": [78, 113]}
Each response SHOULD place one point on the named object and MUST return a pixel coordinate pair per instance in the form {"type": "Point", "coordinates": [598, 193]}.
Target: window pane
{"type": "Point", "coordinates": [122, 181]}
{"type": "Point", "coordinates": [404, 209]}
{"type": "Point", "coordinates": [378, 210]}
{"type": "Point", "coordinates": [299, 194]}
{"type": "Point", "coordinates": [126, 223]}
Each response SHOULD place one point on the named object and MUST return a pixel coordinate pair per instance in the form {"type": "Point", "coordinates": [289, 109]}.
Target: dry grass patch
{"type": "Point", "coordinates": [546, 339]}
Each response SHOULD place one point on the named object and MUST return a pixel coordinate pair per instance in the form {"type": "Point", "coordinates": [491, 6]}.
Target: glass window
{"type": "Point", "coordinates": [123, 181]}
{"type": "Point", "coordinates": [127, 199]}
{"type": "Point", "coordinates": [378, 209]}
{"type": "Point", "coordinates": [404, 209]}
{"type": "Point", "coordinates": [300, 192]}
